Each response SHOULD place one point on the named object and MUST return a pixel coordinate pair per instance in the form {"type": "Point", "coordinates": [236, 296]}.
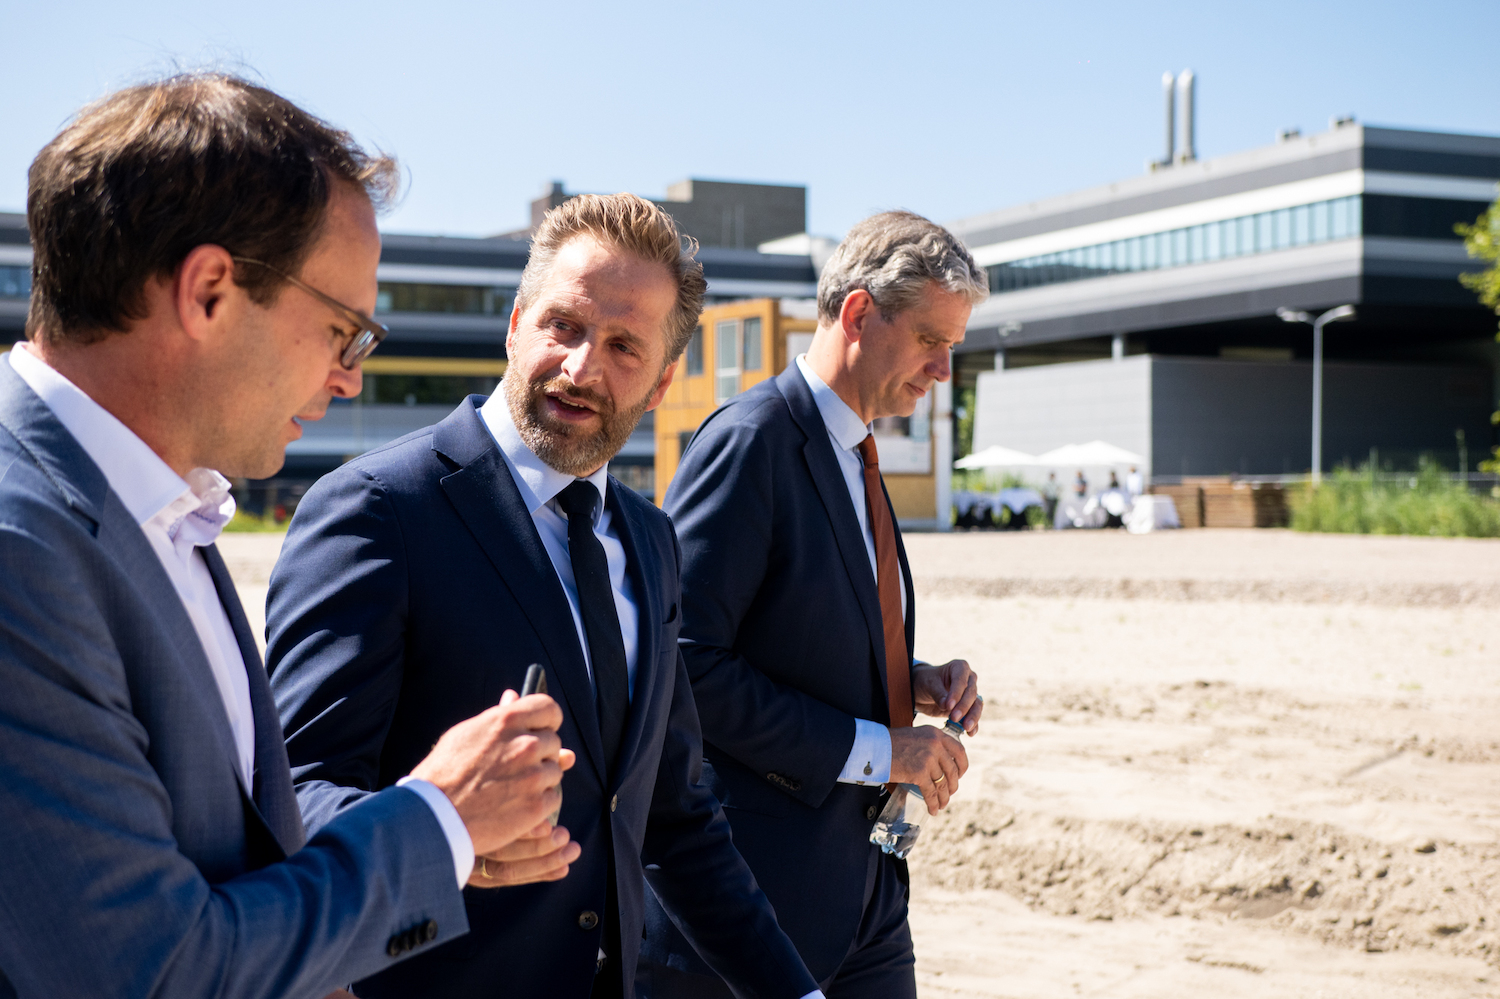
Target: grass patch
{"type": "Point", "coordinates": [246, 523]}
{"type": "Point", "coordinates": [1358, 501]}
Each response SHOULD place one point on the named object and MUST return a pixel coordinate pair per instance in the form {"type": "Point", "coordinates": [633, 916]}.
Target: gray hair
{"type": "Point", "coordinates": [893, 256]}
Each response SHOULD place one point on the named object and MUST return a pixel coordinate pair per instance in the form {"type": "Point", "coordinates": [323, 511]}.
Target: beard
{"type": "Point", "coordinates": [566, 447]}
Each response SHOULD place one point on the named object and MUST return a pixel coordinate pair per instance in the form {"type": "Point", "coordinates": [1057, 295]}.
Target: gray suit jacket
{"type": "Point", "coordinates": [134, 861]}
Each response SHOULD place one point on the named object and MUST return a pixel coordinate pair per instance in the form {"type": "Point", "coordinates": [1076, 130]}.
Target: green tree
{"type": "Point", "coordinates": [1482, 240]}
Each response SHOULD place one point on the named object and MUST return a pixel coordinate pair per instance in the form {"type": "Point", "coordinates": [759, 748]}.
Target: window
{"type": "Point", "coordinates": [15, 282]}
{"type": "Point", "coordinates": [694, 361]}
{"type": "Point", "coordinates": [425, 390]}
{"type": "Point", "coordinates": [1301, 225]}
{"type": "Point", "coordinates": [726, 359]}
{"type": "Point", "coordinates": [464, 299]}
{"type": "Point", "coordinates": [751, 346]}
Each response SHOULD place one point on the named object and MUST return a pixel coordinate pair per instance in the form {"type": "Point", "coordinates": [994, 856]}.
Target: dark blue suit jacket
{"type": "Point", "coordinates": [134, 860]}
{"type": "Point", "coordinates": [414, 590]}
{"type": "Point", "coordinates": [783, 641]}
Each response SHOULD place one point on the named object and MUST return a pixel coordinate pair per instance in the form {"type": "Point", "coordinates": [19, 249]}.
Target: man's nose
{"type": "Point", "coordinates": [344, 383]}
{"type": "Point", "coordinates": [582, 364]}
{"type": "Point", "coordinates": [941, 366]}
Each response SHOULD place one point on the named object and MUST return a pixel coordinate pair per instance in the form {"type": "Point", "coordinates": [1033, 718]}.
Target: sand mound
{"type": "Point", "coordinates": [1313, 879]}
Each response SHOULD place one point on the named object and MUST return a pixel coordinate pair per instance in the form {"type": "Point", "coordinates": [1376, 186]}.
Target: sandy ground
{"type": "Point", "coordinates": [1214, 763]}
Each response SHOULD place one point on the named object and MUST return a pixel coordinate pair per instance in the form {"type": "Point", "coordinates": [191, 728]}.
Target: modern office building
{"type": "Point", "coordinates": [1162, 291]}
{"type": "Point", "coordinates": [447, 301]}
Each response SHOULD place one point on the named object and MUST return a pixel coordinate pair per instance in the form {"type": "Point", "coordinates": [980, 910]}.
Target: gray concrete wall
{"type": "Point", "coordinates": [717, 213]}
{"type": "Point", "coordinates": [1038, 409]}
{"type": "Point", "coordinates": [1208, 416]}
{"type": "Point", "coordinates": [1214, 416]}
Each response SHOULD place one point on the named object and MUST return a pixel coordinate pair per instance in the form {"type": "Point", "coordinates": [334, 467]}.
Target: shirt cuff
{"type": "Point", "coordinates": [818, 994]}
{"type": "Point", "coordinates": [453, 826]}
{"type": "Point", "coordinates": [870, 759]}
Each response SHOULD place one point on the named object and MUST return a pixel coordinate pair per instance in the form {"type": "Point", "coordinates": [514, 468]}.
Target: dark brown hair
{"type": "Point", "coordinates": [140, 178]}
{"type": "Point", "coordinates": [631, 224]}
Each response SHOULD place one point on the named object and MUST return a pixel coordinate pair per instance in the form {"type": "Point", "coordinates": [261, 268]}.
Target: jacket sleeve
{"type": "Point", "coordinates": [96, 899]}
{"type": "Point", "coordinates": [703, 883]}
{"type": "Point", "coordinates": [722, 502]}
{"type": "Point", "coordinates": [335, 622]}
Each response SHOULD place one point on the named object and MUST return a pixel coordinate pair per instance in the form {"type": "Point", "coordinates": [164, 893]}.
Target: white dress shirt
{"type": "Point", "coordinates": [870, 760]}
{"type": "Point", "coordinates": [539, 484]}
{"type": "Point", "coordinates": [178, 517]}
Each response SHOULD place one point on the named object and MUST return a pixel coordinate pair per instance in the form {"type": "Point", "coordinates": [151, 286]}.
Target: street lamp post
{"type": "Point", "coordinates": [1331, 316]}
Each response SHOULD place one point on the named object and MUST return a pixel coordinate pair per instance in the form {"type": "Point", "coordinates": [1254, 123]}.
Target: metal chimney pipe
{"type": "Point", "coordinates": [1169, 92]}
{"type": "Point", "coordinates": [1189, 151]}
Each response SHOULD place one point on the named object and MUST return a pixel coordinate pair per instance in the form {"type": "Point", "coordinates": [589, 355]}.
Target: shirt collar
{"type": "Point", "coordinates": [842, 422]}
{"type": "Point", "coordinates": [538, 482]}
{"type": "Point", "coordinates": [146, 485]}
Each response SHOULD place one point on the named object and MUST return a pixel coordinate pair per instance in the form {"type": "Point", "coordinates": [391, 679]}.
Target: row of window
{"type": "Point", "coordinates": [15, 282]}
{"type": "Point", "coordinates": [473, 300]}
{"type": "Point", "coordinates": [1320, 222]}
{"type": "Point", "coordinates": [738, 348]}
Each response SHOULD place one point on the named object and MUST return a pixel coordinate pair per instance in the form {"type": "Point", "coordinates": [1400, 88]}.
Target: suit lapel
{"type": "Point", "coordinates": [272, 791]}
{"type": "Point", "coordinates": [122, 538]}
{"type": "Point", "coordinates": [86, 490]}
{"type": "Point", "coordinates": [834, 492]}
{"type": "Point", "coordinates": [635, 539]}
{"type": "Point", "coordinates": [487, 500]}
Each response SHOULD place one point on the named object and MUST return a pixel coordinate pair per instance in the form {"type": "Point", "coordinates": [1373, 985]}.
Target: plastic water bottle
{"type": "Point", "coordinates": [894, 832]}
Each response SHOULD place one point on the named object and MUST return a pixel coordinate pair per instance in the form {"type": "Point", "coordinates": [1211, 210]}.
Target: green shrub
{"type": "Point", "coordinates": [1427, 502]}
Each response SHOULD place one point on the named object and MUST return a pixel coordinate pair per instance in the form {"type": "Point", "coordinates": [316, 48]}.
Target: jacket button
{"type": "Point", "coordinates": [393, 946]}
{"type": "Point", "coordinates": [587, 919]}
{"type": "Point", "coordinates": [614, 802]}
{"type": "Point", "coordinates": [870, 813]}
{"type": "Point", "coordinates": [429, 931]}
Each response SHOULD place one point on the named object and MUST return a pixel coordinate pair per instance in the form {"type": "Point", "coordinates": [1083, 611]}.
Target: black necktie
{"type": "Point", "coordinates": [596, 604]}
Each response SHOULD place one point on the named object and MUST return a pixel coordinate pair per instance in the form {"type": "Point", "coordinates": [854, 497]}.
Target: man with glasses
{"type": "Point", "coordinates": [194, 243]}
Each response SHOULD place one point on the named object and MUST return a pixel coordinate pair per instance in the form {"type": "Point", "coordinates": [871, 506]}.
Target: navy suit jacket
{"type": "Point", "coordinates": [412, 592]}
{"type": "Point", "coordinates": [783, 641]}
{"type": "Point", "coordinates": [135, 860]}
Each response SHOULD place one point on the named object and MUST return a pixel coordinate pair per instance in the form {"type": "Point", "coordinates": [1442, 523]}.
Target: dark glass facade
{"type": "Point", "coordinates": [453, 298]}
{"type": "Point", "coordinates": [1302, 225]}
{"type": "Point", "coordinates": [15, 282]}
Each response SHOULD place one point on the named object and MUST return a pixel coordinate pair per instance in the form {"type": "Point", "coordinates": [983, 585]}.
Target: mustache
{"type": "Point", "coordinates": [562, 385]}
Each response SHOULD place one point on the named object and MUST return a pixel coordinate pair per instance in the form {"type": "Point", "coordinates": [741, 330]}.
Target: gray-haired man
{"type": "Point", "coordinates": [798, 616]}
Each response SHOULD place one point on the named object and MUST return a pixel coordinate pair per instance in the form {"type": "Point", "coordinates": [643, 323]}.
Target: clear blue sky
{"type": "Point", "coordinates": [947, 109]}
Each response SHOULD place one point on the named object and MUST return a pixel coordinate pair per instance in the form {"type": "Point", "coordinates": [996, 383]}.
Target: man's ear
{"type": "Point", "coordinates": [199, 289]}
{"type": "Point", "coordinates": [510, 334]}
{"type": "Point", "coordinates": [855, 313]}
{"type": "Point", "coordinates": [665, 383]}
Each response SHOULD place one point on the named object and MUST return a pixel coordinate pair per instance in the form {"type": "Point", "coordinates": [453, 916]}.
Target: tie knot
{"type": "Point", "coordinates": [867, 452]}
{"type": "Point", "coordinates": [578, 500]}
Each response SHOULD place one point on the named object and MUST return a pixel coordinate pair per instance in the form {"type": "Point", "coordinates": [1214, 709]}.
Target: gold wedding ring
{"type": "Point", "coordinates": [937, 780]}
{"type": "Point", "coordinates": [484, 870]}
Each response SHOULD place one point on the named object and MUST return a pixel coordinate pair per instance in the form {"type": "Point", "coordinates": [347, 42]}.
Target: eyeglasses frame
{"type": "Point", "coordinates": [367, 337]}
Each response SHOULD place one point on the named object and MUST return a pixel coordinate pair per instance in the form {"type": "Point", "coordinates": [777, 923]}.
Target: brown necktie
{"type": "Point", "coordinates": [888, 578]}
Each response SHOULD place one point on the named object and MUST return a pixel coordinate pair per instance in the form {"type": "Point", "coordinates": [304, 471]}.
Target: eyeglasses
{"type": "Point", "coordinates": [366, 337]}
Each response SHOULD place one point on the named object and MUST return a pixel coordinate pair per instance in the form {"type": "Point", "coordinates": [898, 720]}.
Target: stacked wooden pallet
{"type": "Point", "coordinates": [1222, 502]}
{"type": "Point", "coordinates": [1188, 498]}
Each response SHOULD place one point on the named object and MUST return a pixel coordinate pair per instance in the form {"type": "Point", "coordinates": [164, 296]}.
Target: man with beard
{"type": "Point", "coordinates": [420, 580]}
